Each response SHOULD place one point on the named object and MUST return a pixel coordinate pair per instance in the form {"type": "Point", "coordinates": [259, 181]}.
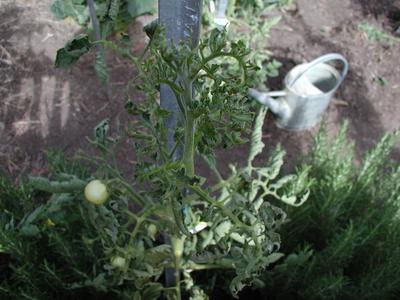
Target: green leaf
{"type": "Point", "coordinates": [257, 145]}
{"type": "Point", "coordinates": [236, 286]}
{"type": "Point", "coordinates": [136, 296]}
{"type": "Point", "coordinates": [26, 226]}
{"type": "Point", "coordinates": [101, 67]}
{"type": "Point", "coordinates": [113, 10]}
{"type": "Point", "coordinates": [179, 219]}
{"type": "Point", "coordinates": [274, 257]}
{"type": "Point", "coordinates": [151, 28]}
{"type": "Point", "coordinates": [139, 7]}
{"type": "Point", "coordinates": [75, 9]}
{"type": "Point", "coordinates": [101, 134]}
{"type": "Point", "coordinates": [381, 80]}
{"type": "Point", "coordinates": [99, 282]}
{"type": "Point", "coordinates": [275, 164]}
{"type": "Point", "coordinates": [67, 8]}
{"type": "Point", "coordinates": [109, 18]}
{"type": "Point", "coordinates": [158, 254]}
{"type": "Point", "coordinates": [44, 184]}
{"type": "Point", "coordinates": [29, 230]}
{"type": "Point", "coordinates": [152, 291]}
{"type": "Point", "coordinates": [223, 229]}
{"type": "Point", "coordinates": [72, 51]}
{"type": "Point", "coordinates": [34, 215]}
{"type": "Point", "coordinates": [207, 238]}
{"type": "Point", "coordinates": [376, 158]}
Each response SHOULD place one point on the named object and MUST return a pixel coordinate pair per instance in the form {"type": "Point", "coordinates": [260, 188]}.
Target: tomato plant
{"type": "Point", "coordinates": [229, 222]}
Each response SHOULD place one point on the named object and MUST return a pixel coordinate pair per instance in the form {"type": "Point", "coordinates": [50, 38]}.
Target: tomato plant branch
{"type": "Point", "coordinates": [97, 36]}
{"type": "Point", "coordinates": [190, 125]}
{"type": "Point", "coordinates": [189, 147]}
{"type": "Point", "coordinates": [226, 211]}
{"type": "Point", "coordinates": [224, 264]}
{"type": "Point", "coordinates": [211, 57]}
{"type": "Point", "coordinates": [177, 243]}
{"type": "Point", "coordinates": [122, 52]}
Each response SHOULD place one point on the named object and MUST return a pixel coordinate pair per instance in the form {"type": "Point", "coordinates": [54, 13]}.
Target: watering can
{"type": "Point", "coordinates": [220, 19]}
{"type": "Point", "coordinates": [308, 90]}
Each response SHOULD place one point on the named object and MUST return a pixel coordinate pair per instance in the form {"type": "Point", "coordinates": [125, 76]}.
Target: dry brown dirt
{"type": "Point", "coordinates": [315, 28]}
{"type": "Point", "coordinates": [42, 107]}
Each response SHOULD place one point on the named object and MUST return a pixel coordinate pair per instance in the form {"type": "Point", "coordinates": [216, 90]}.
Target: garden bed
{"type": "Point", "coordinates": [350, 208]}
{"type": "Point", "coordinates": [46, 108]}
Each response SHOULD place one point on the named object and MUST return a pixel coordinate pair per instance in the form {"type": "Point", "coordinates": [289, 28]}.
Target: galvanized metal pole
{"type": "Point", "coordinates": [181, 19]}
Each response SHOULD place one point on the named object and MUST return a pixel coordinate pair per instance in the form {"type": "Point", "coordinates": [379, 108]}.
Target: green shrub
{"type": "Point", "coordinates": [52, 248]}
{"type": "Point", "coordinates": [343, 243]}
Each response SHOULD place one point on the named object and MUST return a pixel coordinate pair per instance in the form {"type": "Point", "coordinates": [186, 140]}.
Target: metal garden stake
{"type": "Point", "coordinates": [181, 20]}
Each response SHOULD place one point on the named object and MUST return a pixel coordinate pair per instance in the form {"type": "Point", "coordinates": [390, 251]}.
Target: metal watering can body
{"type": "Point", "coordinates": [308, 91]}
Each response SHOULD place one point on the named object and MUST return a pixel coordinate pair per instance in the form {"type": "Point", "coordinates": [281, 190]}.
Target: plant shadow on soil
{"type": "Point", "coordinates": [43, 107]}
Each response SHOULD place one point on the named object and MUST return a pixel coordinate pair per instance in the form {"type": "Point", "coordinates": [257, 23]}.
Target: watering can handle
{"type": "Point", "coordinates": [323, 59]}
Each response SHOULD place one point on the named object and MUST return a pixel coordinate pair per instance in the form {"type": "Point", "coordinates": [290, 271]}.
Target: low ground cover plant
{"type": "Point", "coordinates": [343, 243]}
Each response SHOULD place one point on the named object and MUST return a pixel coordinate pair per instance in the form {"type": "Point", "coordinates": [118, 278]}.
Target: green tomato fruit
{"type": "Point", "coordinates": [152, 231]}
{"type": "Point", "coordinates": [118, 262]}
{"type": "Point", "coordinates": [96, 192]}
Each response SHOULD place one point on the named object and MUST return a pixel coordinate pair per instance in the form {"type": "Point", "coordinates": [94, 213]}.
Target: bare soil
{"type": "Point", "coordinates": [314, 28]}
{"type": "Point", "coordinates": [42, 107]}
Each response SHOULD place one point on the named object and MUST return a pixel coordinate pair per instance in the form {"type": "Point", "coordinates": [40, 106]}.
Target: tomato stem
{"type": "Point", "coordinates": [190, 125]}
{"type": "Point", "coordinates": [177, 249]}
{"type": "Point", "coordinates": [189, 149]}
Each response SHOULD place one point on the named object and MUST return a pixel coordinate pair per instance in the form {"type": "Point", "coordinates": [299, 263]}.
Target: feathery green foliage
{"type": "Point", "coordinates": [250, 17]}
{"type": "Point", "coordinates": [343, 243]}
{"type": "Point", "coordinates": [51, 248]}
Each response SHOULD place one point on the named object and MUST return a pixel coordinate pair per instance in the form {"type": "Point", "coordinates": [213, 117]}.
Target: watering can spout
{"type": "Point", "coordinates": [278, 107]}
